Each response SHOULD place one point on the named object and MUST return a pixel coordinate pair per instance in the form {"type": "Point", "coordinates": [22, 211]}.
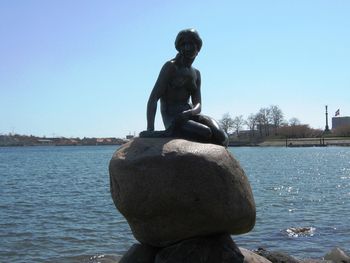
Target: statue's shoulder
{"type": "Point", "coordinates": [169, 67]}
{"type": "Point", "coordinates": [196, 70]}
{"type": "Point", "coordinates": [197, 73]}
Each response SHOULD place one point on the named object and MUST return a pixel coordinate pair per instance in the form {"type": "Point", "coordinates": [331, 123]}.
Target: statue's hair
{"type": "Point", "coordinates": [188, 32]}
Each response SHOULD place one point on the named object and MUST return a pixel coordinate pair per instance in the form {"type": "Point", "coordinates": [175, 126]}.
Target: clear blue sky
{"type": "Point", "coordinates": [86, 68]}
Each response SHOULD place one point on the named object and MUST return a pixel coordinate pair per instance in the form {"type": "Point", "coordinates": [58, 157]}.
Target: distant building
{"type": "Point", "coordinates": [340, 121]}
{"type": "Point", "coordinates": [45, 141]}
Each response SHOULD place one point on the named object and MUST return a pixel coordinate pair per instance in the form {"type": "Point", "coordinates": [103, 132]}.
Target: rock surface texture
{"type": "Point", "coordinates": [210, 249]}
{"type": "Point", "coordinates": [337, 256]}
{"type": "Point", "coordinates": [139, 253]}
{"type": "Point", "coordinates": [251, 257]}
{"type": "Point", "coordinates": [173, 189]}
{"type": "Point", "coordinates": [276, 256]}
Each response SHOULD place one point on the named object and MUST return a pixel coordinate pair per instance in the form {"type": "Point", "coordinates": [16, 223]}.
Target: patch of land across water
{"type": "Point", "coordinates": [307, 142]}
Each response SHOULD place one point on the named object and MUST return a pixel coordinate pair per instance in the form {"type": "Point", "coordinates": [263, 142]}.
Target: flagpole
{"type": "Point", "coordinates": [326, 128]}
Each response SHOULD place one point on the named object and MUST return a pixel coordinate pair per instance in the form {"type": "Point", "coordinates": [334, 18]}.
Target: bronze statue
{"type": "Point", "coordinates": [177, 82]}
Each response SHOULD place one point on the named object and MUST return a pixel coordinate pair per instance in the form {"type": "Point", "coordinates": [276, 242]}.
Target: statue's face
{"type": "Point", "coordinates": [188, 47]}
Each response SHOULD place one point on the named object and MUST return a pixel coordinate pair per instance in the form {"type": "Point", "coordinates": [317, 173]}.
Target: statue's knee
{"type": "Point", "coordinates": [221, 137]}
{"type": "Point", "coordinates": [225, 139]}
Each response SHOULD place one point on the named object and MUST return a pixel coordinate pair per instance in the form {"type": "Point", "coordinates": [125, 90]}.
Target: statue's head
{"type": "Point", "coordinates": [188, 34]}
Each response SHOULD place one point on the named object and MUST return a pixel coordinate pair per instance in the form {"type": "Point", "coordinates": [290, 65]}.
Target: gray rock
{"type": "Point", "coordinates": [139, 253]}
{"type": "Point", "coordinates": [211, 249]}
{"type": "Point", "coordinates": [276, 256]}
{"type": "Point", "coordinates": [172, 189]}
{"type": "Point", "coordinates": [338, 256]}
{"type": "Point", "coordinates": [251, 257]}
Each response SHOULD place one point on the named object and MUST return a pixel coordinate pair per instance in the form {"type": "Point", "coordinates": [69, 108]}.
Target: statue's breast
{"type": "Point", "coordinates": [184, 79]}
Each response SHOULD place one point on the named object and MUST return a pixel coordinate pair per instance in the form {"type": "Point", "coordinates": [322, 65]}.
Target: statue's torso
{"type": "Point", "coordinates": [176, 97]}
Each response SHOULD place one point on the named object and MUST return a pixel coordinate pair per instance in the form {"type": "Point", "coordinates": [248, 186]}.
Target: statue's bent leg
{"type": "Point", "coordinates": [219, 135]}
{"type": "Point", "coordinates": [195, 130]}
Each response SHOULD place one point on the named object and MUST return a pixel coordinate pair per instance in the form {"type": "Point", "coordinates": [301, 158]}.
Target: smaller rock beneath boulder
{"type": "Point", "coordinates": [139, 253]}
{"type": "Point", "coordinates": [276, 256]}
{"type": "Point", "coordinates": [337, 256]}
{"type": "Point", "coordinates": [313, 260]}
{"type": "Point", "coordinates": [209, 249]}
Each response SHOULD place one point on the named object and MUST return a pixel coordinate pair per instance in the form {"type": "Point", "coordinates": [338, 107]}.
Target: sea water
{"type": "Point", "coordinates": [55, 203]}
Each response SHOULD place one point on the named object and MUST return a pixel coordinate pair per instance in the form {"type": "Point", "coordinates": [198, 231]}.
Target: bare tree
{"type": "Point", "coordinates": [226, 122]}
{"type": "Point", "coordinates": [295, 128]}
{"type": "Point", "coordinates": [251, 123]}
{"type": "Point", "coordinates": [294, 121]}
{"type": "Point", "coordinates": [276, 117]}
{"type": "Point", "coordinates": [264, 120]}
{"type": "Point", "coordinates": [238, 123]}
{"type": "Point", "coordinates": [259, 118]}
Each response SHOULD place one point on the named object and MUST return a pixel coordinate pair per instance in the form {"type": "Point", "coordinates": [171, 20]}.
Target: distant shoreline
{"type": "Point", "coordinates": [305, 142]}
{"type": "Point", "coordinates": [53, 145]}
{"type": "Point", "coordinates": [294, 142]}
{"type": "Point", "coordinates": [16, 140]}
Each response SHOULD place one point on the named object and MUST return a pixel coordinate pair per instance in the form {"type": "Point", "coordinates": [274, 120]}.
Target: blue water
{"type": "Point", "coordinates": [55, 204]}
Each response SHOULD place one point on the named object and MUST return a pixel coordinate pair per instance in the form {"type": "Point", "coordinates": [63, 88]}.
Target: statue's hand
{"type": "Point", "coordinates": [186, 115]}
{"type": "Point", "coordinates": [182, 117]}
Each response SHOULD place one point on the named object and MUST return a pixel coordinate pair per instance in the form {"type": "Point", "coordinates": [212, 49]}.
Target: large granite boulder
{"type": "Point", "coordinates": [173, 189]}
{"type": "Point", "coordinates": [140, 253]}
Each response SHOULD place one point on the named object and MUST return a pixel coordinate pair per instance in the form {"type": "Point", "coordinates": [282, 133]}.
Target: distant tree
{"type": "Point", "coordinates": [226, 122]}
{"type": "Point", "coordinates": [299, 131]}
{"type": "Point", "coordinates": [294, 121]}
{"type": "Point", "coordinates": [251, 123]}
{"type": "Point", "coordinates": [315, 132]}
{"type": "Point", "coordinates": [276, 117]}
{"type": "Point", "coordinates": [263, 118]}
{"type": "Point", "coordinates": [259, 119]}
{"type": "Point", "coordinates": [295, 128]}
{"type": "Point", "coordinates": [238, 123]}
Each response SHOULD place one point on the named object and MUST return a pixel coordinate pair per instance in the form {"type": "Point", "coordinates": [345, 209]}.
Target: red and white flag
{"type": "Point", "coordinates": [337, 112]}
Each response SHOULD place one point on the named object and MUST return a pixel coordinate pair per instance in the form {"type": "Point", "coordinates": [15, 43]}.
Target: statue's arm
{"type": "Point", "coordinates": [156, 93]}
{"type": "Point", "coordinates": [196, 96]}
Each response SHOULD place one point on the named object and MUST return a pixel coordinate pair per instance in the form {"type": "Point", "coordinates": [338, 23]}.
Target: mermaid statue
{"type": "Point", "coordinates": [178, 88]}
